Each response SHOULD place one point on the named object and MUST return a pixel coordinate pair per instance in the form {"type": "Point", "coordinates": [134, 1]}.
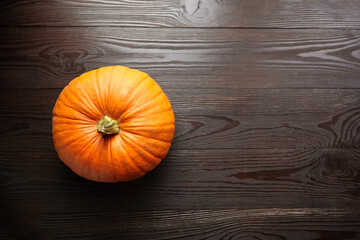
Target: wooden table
{"type": "Point", "coordinates": [266, 96]}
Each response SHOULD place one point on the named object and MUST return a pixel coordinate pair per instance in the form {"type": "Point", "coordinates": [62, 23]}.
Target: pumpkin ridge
{"type": "Point", "coordinates": [84, 92]}
{"type": "Point", "coordinates": [74, 119]}
{"type": "Point", "coordinates": [128, 98]}
{"type": "Point", "coordinates": [64, 144]}
{"type": "Point", "coordinates": [109, 86]}
{"type": "Point", "coordinates": [133, 92]}
{"type": "Point", "coordinates": [89, 99]}
{"type": "Point", "coordinates": [99, 90]}
{"type": "Point", "coordinates": [135, 143]}
{"type": "Point", "coordinates": [132, 111]}
{"type": "Point", "coordinates": [111, 69]}
{"type": "Point", "coordinates": [76, 110]}
{"type": "Point", "coordinates": [129, 158]}
{"type": "Point", "coordinates": [153, 113]}
{"type": "Point", "coordinates": [103, 160]}
{"type": "Point", "coordinates": [145, 159]}
{"type": "Point", "coordinates": [118, 81]}
{"type": "Point", "coordinates": [88, 127]}
{"type": "Point", "coordinates": [111, 162]}
{"type": "Point", "coordinates": [135, 133]}
{"type": "Point", "coordinates": [93, 141]}
{"type": "Point", "coordinates": [88, 131]}
{"type": "Point", "coordinates": [119, 141]}
{"type": "Point", "coordinates": [144, 126]}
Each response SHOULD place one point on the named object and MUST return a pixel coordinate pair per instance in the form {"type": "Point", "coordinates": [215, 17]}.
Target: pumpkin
{"type": "Point", "coordinates": [112, 124]}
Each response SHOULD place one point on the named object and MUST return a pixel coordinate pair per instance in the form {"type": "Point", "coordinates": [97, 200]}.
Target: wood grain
{"type": "Point", "coordinates": [184, 58]}
{"type": "Point", "coordinates": [184, 13]}
{"type": "Point", "coordinates": [212, 118]}
{"type": "Point", "coordinates": [39, 183]}
{"type": "Point", "coordinates": [266, 96]}
{"type": "Point", "coordinates": [205, 224]}
{"type": "Point", "coordinates": [5, 232]}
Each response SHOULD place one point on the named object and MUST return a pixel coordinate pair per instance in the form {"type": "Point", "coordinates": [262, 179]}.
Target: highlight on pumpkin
{"type": "Point", "coordinates": [112, 124]}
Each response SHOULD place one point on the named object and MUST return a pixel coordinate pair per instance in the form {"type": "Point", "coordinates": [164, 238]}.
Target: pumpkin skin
{"type": "Point", "coordinates": [144, 117]}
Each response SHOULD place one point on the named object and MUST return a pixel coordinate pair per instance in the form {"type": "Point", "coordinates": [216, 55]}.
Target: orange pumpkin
{"type": "Point", "coordinates": [112, 124]}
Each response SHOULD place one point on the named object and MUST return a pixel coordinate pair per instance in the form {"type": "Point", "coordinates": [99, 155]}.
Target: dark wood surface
{"type": "Point", "coordinates": [183, 13]}
{"type": "Point", "coordinates": [266, 96]}
{"type": "Point", "coordinates": [184, 57]}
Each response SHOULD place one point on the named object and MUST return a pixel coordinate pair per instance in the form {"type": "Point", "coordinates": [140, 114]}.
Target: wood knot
{"type": "Point", "coordinates": [337, 170]}
{"type": "Point", "coordinates": [344, 128]}
{"type": "Point", "coordinates": [68, 63]}
{"type": "Point", "coordinates": [197, 11]}
{"type": "Point", "coordinates": [336, 164]}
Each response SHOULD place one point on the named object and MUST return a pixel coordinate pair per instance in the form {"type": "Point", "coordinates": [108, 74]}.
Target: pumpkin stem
{"type": "Point", "coordinates": [107, 126]}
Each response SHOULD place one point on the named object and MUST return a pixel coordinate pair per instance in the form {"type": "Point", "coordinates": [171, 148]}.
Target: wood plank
{"type": "Point", "coordinates": [184, 13]}
{"type": "Point", "coordinates": [184, 58]}
{"type": "Point", "coordinates": [212, 118]}
{"type": "Point", "coordinates": [266, 96]}
{"type": "Point", "coordinates": [270, 223]}
{"type": "Point", "coordinates": [5, 232]}
{"type": "Point", "coordinates": [39, 183]}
